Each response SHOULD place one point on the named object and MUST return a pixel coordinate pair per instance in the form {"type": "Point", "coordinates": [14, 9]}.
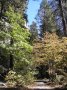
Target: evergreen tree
{"type": "Point", "coordinates": [46, 17]}
{"type": "Point", "coordinates": [34, 31]}
{"type": "Point", "coordinates": [59, 12]}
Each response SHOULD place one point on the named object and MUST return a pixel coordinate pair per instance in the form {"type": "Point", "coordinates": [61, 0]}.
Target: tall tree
{"type": "Point", "coordinates": [59, 11]}
{"type": "Point", "coordinates": [34, 31]}
{"type": "Point", "coordinates": [14, 41]}
{"type": "Point", "coordinates": [19, 6]}
{"type": "Point", "coordinates": [46, 17]}
{"type": "Point", "coordinates": [62, 15]}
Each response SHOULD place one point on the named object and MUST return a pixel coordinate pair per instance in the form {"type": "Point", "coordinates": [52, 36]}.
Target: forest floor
{"type": "Point", "coordinates": [42, 86]}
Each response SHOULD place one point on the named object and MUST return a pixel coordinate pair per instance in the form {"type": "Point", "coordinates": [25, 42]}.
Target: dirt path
{"type": "Point", "coordinates": [42, 86]}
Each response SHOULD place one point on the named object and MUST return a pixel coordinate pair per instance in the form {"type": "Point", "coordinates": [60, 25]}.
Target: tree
{"type": "Point", "coordinates": [19, 6]}
{"type": "Point", "coordinates": [51, 51]}
{"type": "Point", "coordinates": [46, 18]}
{"type": "Point", "coordinates": [59, 10]}
{"type": "Point", "coordinates": [62, 15]}
{"type": "Point", "coordinates": [34, 31]}
{"type": "Point", "coordinates": [14, 44]}
{"type": "Point", "coordinates": [4, 5]}
{"type": "Point", "coordinates": [64, 6]}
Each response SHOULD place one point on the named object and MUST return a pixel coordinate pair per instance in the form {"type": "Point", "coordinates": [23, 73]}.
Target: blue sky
{"type": "Point", "coordinates": [33, 7]}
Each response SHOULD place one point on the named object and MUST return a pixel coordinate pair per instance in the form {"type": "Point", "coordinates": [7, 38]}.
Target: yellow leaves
{"type": "Point", "coordinates": [51, 47]}
{"type": "Point", "coordinates": [58, 57]}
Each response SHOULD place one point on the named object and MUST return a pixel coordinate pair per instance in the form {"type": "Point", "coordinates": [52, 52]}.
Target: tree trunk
{"type": "Point", "coordinates": [1, 11]}
{"type": "Point", "coordinates": [62, 16]}
{"type": "Point", "coordinates": [11, 56]}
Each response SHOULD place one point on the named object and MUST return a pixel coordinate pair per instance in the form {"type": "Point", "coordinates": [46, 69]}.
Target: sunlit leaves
{"type": "Point", "coordinates": [50, 48]}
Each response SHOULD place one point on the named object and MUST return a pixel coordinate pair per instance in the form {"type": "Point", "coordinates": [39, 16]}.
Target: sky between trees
{"type": "Point", "coordinates": [32, 10]}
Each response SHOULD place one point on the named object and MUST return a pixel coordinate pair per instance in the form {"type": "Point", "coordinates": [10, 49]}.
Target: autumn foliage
{"type": "Point", "coordinates": [52, 51]}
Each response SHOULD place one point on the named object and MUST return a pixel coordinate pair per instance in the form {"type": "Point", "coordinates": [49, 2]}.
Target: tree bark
{"type": "Point", "coordinates": [62, 16]}
{"type": "Point", "coordinates": [1, 11]}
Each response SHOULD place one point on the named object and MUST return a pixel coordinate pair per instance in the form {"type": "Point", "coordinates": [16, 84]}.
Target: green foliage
{"type": "Point", "coordinates": [1, 69]}
{"type": "Point", "coordinates": [19, 34]}
{"type": "Point", "coordinates": [14, 37]}
{"type": "Point", "coordinates": [46, 18]}
{"type": "Point", "coordinates": [33, 31]}
{"type": "Point", "coordinates": [17, 80]}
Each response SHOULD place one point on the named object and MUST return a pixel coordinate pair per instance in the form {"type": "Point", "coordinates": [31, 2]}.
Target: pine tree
{"type": "Point", "coordinates": [46, 17]}
{"type": "Point", "coordinates": [33, 31]}
{"type": "Point", "coordinates": [59, 12]}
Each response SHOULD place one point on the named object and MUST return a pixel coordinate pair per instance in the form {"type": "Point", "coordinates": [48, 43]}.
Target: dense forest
{"type": "Point", "coordinates": [37, 52]}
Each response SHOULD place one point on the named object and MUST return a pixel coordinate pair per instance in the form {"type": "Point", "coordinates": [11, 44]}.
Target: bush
{"type": "Point", "coordinates": [16, 80]}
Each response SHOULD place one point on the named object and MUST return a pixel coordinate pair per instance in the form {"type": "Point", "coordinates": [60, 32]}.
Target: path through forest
{"type": "Point", "coordinates": [43, 86]}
